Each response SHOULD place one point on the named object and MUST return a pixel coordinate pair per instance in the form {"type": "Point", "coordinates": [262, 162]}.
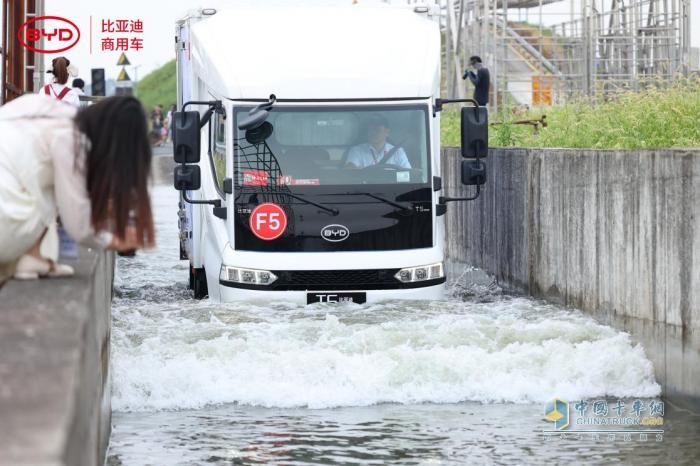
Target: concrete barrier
{"type": "Point", "coordinates": [54, 367]}
{"type": "Point", "coordinates": [605, 231]}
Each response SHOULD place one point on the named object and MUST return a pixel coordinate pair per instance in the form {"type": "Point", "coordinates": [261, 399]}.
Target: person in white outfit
{"type": "Point", "coordinates": [79, 88]}
{"type": "Point", "coordinates": [58, 89]}
{"type": "Point", "coordinates": [90, 167]}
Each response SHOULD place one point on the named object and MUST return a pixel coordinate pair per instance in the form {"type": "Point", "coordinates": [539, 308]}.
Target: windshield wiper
{"type": "Point", "coordinates": [330, 210]}
{"type": "Point", "coordinates": [379, 198]}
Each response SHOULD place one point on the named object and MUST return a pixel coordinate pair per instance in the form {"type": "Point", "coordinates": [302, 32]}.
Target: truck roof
{"type": "Point", "coordinates": [331, 52]}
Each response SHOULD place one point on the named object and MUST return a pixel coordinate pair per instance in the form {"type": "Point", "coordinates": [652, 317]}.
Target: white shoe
{"type": "Point", "coordinates": [60, 270]}
{"type": "Point", "coordinates": [30, 268]}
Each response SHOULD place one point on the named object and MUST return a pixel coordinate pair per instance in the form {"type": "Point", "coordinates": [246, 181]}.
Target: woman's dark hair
{"type": "Point", "coordinates": [118, 165]}
{"type": "Point", "coordinates": [59, 68]}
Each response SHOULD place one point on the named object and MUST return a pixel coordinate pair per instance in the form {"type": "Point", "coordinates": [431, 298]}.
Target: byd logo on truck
{"type": "Point", "coordinates": [59, 34]}
{"type": "Point", "coordinates": [335, 233]}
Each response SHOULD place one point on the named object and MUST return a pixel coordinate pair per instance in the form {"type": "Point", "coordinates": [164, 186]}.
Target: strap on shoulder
{"type": "Point", "coordinates": [63, 93]}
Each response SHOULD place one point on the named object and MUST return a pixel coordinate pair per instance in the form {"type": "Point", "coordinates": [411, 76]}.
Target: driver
{"type": "Point", "coordinates": [376, 148]}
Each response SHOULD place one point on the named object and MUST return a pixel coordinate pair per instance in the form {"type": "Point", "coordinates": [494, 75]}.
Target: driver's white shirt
{"type": "Point", "coordinates": [364, 155]}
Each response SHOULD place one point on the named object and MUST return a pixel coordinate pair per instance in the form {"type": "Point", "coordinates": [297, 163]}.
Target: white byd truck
{"type": "Point", "coordinates": [308, 144]}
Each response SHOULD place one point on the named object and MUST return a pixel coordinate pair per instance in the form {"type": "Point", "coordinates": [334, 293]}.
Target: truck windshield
{"type": "Point", "coordinates": [324, 146]}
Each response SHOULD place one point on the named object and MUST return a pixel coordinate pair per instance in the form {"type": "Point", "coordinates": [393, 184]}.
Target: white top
{"type": "Point", "coordinates": [299, 52]}
{"type": "Point", "coordinates": [79, 91]}
{"type": "Point", "coordinates": [364, 155]}
{"type": "Point", "coordinates": [40, 175]}
{"type": "Point", "coordinates": [71, 98]}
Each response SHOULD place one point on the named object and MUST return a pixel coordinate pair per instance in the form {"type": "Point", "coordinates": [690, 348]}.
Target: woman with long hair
{"type": "Point", "coordinates": [90, 167]}
{"type": "Point", "coordinates": [58, 89]}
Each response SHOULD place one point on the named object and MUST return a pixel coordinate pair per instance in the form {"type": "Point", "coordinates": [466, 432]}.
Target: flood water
{"type": "Point", "coordinates": [459, 381]}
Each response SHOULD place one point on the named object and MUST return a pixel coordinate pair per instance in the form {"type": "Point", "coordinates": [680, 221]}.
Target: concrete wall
{"type": "Point", "coordinates": [605, 231]}
{"type": "Point", "coordinates": [54, 367]}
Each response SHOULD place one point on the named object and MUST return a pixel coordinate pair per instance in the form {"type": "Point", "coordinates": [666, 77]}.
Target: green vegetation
{"type": "Point", "coordinates": [651, 118]}
{"type": "Point", "coordinates": [158, 87]}
{"type": "Point", "coordinates": [633, 120]}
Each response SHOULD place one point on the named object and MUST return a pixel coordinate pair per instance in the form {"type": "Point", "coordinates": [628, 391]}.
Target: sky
{"type": "Point", "coordinates": [159, 16]}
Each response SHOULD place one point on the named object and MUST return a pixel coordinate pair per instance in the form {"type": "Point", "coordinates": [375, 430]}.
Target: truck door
{"type": "Point", "coordinates": [184, 94]}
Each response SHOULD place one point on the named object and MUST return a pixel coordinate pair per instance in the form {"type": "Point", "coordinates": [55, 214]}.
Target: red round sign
{"type": "Point", "coordinates": [268, 221]}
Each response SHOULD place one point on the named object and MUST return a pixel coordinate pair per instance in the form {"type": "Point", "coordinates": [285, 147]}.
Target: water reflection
{"type": "Point", "coordinates": [386, 434]}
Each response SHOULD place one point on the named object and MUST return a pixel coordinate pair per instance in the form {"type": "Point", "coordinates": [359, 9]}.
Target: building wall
{"type": "Point", "coordinates": [17, 62]}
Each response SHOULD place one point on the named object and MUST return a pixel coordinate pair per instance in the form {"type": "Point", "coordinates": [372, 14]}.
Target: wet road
{"type": "Point", "coordinates": [453, 382]}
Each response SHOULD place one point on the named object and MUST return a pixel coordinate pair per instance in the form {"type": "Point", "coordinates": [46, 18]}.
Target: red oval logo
{"type": "Point", "coordinates": [268, 221]}
{"type": "Point", "coordinates": [60, 32]}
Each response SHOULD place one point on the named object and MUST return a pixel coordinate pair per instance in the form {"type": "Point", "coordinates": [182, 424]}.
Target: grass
{"type": "Point", "coordinates": [158, 87]}
{"type": "Point", "coordinates": [651, 118]}
{"type": "Point", "coordinates": [648, 119]}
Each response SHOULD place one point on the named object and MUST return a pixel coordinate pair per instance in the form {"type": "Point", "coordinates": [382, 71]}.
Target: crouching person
{"type": "Point", "coordinates": [89, 167]}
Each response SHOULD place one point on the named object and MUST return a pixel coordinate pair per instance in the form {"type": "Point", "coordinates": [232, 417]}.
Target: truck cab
{"type": "Point", "coordinates": [308, 140]}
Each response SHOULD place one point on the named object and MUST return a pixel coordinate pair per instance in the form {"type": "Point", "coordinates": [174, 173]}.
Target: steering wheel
{"type": "Point", "coordinates": [384, 166]}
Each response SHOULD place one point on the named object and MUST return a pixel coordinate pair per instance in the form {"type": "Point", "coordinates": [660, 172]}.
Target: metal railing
{"type": "Point", "coordinates": [539, 55]}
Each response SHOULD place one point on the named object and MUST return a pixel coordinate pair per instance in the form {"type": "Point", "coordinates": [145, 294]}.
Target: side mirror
{"type": "Point", "coordinates": [255, 118]}
{"type": "Point", "coordinates": [186, 137]}
{"type": "Point", "coordinates": [475, 132]}
{"type": "Point", "coordinates": [257, 115]}
{"type": "Point", "coordinates": [259, 134]}
{"type": "Point", "coordinates": [473, 172]}
{"type": "Point", "coordinates": [187, 178]}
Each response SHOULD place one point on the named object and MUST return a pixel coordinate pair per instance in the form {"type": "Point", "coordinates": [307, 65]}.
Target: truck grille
{"type": "Point", "coordinates": [369, 279]}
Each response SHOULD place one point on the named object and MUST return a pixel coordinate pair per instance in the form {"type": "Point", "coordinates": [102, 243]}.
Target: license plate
{"type": "Point", "coordinates": [331, 297]}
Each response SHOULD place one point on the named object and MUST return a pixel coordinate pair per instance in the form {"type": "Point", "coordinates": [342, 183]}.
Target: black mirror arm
{"type": "Point", "coordinates": [266, 105]}
{"type": "Point", "coordinates": [444, 200]}
{"type": "Point", "coordinates": [440, 102]}
{"type": "Point", "coordinates": [206, 117]}
{"type": "Point", "coordinates": [257, 115]}
{"type": "Point", "coordinates": [214, 202]}
{"type": "Point", "coordinates": [214, 106]}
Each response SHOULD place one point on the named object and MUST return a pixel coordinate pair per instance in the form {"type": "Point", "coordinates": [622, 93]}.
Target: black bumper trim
{"type": "Point", "coordinates": [335, 287]}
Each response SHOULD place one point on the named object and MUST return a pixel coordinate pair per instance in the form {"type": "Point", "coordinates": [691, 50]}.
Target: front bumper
{"type": "Point", "coordinates": [425, 293]}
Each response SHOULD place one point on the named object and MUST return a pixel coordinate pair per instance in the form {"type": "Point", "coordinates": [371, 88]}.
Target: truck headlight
{"type": "Point", "coordinates": [420, 273]}
{"type": "Point", "coordinates": [246, 276]}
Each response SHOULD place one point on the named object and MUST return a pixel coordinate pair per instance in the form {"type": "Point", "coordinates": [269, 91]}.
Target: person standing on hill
{"type": "Point", "coordinates": [60, 68]}
{"type": "Point", "coordinates": [169, 119]}
{"type": "Point", "coordinates": [157, 123]}
{"type": "Point", "coordinates": [480, 78]}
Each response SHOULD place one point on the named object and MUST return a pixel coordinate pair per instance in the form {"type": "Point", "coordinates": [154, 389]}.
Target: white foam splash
{"type": "Point", "coordinates": [512, 350]}
{"type": "Point", "coordinates": [170, 352]}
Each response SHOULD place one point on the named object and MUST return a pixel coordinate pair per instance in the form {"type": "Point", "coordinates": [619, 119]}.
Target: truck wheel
{"type": "Point", "coordinates": [199, 284]}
